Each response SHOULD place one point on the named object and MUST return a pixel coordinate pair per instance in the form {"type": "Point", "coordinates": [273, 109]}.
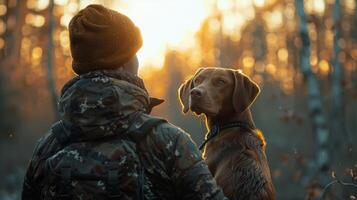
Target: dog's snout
{"type": "Point", "coordinates": [196, 93]}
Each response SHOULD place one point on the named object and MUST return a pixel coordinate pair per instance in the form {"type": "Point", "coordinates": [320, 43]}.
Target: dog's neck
{"type": "Point", "coordinates": [245, 116]}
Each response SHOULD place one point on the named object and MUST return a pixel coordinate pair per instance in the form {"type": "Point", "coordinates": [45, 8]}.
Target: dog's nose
{"type": "Point", "coordinates": [196, 93]}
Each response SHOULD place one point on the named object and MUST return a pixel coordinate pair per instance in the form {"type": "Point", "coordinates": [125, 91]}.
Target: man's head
{"type": "Point", "coordinates": [101, 38]}
{"type": "Point", "coordinates": [218, 91]}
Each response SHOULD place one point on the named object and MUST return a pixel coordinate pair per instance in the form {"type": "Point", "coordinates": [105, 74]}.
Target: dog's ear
{"type": "Point", "coordinates": [244, 93]}
{"type": "Point", "coordinates": [184, 92]}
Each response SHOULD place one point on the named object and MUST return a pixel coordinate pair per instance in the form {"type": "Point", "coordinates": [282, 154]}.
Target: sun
{"type": "Point", "coordinates": [164, 24]}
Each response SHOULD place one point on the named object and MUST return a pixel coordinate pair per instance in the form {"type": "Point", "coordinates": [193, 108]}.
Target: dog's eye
{"type": "Point", "coordinates": [221, 81]}
{"type": "Point", "coordinates": [198, 80]}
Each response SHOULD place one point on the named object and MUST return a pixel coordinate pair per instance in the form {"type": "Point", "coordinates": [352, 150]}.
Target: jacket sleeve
{"type": "Point", "coordinates": [29, 189]}
{"type": "Point", "coordinates": [190, 174]}
{"type": "Point", "coordinates": [36, 171]}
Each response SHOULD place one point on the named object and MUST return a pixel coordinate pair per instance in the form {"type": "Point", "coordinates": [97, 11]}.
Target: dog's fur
{"type": "Point", "coordinates": [236, 157]}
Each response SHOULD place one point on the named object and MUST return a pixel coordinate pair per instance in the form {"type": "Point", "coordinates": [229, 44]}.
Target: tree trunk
{"type": "Point", "coordinates": [50, 59]}
{"type": "Point", "coordinates": [314, 101]}
{"type": "Point", "coordinates": [337, 104]}
{"type": "Point", "coordinates": [10, 59]}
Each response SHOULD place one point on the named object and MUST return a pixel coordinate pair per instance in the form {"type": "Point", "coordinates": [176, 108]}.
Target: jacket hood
{"type": "Point", "coordinates": [102, 103]}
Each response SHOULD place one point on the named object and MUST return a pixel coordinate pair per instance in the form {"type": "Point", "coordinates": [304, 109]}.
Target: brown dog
{"type": "Point", "coordinates": [235, 150]}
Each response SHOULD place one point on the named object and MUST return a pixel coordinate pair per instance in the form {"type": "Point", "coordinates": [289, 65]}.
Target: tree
{"type": "Point", "coordinates": [9, 59]}
{"type": "Point", "coordinates": [337, 76]}
{"type": "Point", "coordinates": [50, 51]}
{"type": "Point", "coordinates": [314, 100]}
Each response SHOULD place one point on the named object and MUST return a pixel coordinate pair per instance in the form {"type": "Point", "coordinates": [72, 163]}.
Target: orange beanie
{"type": "Point", "coordinates": [102, 38]}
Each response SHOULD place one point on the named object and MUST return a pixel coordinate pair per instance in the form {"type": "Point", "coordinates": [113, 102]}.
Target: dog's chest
{"type": "Point", "coordinates": [220, 149]}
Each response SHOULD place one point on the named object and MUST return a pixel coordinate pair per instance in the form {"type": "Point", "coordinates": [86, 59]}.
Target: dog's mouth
{"type": "Point", "coordinates": [196, 109]}
{"type": "Point", "coordinates": [201, 107]}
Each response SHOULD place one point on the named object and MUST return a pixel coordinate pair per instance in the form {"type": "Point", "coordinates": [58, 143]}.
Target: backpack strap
{"type": "Point", "coordinates": [112, 182]}
{"type": "Point", "coordinates": [59, 132]}
{"type": "Point", "coordinates": [137, 135]}
{"type": "Point", "coordinates": [65, 182]}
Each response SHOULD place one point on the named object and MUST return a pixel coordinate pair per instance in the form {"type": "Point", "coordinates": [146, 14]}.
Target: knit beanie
{"type": "Point", "coordinates": [102, 38]}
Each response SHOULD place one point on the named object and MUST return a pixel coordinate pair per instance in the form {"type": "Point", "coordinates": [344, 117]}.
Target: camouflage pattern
{"type": "Point", "coordinates": [103, 104]}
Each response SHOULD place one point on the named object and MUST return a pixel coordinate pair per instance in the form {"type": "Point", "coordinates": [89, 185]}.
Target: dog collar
{"type": "Point", "coordinates": [214, 131]}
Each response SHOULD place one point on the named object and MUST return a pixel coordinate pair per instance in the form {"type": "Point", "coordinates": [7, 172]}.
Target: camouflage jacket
{"type": "Point", "coordinates": [105, 103]}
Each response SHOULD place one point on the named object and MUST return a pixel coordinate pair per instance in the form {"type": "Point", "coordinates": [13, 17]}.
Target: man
{"type": "Point", "coordinates": [105, 125]}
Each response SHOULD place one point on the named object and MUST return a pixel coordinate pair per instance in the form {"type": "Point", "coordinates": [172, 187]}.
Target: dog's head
{"type": "Point", "coordinates": [216, 91]}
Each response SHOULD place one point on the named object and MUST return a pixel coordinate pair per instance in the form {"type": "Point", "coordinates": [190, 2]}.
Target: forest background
{"type": "Point", "coordinates": [301, 53]}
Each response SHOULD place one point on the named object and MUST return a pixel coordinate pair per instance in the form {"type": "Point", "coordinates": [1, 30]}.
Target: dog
{"type": "Point", "coordinates": [234, 149]}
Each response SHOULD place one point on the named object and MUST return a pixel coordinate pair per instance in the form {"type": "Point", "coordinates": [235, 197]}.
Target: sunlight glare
{"type": "Point", "coordinates": [232, 23]}
{"type": "Point", "coordinates": [283, 55]}
{"type": "Point", "coordinates": [37, 4]}
{"type": "Point", "coordinates": [224, 5]}
{"type": "Point", "coordinates": [35, 20]}
{"type": "Point", "coordinates": [274, 18]}
{"type": "Point", "coordinates": [164, 24]}
{"type": "Point", "coordinates": [61, 2]}
{"type": "Point", "coordinates": [319, 6]}
{"type": "Point", "coordinates": [259, 3]}
{"type": "Point", "coordinates": [316, 6]}
{"type": "Point", "coordinates": [173, 24]}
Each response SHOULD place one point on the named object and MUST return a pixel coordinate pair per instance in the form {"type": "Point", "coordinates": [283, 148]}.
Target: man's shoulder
{"type": "Point", "coordinates": [170, 129]}
{"type": "Point", "coordinates": [166, 130]}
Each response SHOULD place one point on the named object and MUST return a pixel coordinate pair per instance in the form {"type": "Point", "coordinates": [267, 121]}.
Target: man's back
{"type": "Point", "coordinates": [97, 109]}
